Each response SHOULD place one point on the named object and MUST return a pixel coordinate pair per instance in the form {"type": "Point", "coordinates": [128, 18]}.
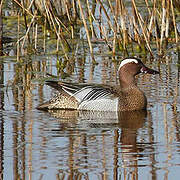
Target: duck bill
{"type": "Point", "coordinates": [147, 70]}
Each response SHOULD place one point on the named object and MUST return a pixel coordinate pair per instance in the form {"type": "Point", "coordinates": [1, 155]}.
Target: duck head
{"type": "Point", "coordinates": [129, 68]}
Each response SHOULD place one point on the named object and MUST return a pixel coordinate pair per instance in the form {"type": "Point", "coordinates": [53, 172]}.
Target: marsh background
{"type": "Point", "coordinates": [84, 41]}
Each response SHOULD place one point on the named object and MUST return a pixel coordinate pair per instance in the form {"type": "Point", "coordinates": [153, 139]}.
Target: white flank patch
{"type": "Point", "coordinates": [126, 61]}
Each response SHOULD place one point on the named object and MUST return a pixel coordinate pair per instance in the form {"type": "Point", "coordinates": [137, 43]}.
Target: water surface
{"type": "Point", "coordinates": [81, 145]}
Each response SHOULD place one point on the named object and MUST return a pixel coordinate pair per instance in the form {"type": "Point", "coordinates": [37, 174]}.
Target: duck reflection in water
{"type": "Point", "coordinates": [125, 125]}
{"type": "Point", "coordinates": [131, 150]}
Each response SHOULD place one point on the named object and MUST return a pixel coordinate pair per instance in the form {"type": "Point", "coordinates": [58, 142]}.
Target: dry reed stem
{"type": "Point", "coordinates": [57, 42]}
{"type": "Point", "coordinates": [36, 35]}
{"type": "Point", "coordinates": [151, 24]}
{"type": "Point", "coordinates": [67, 10]}
{"type": "Point", "coordinates": [69, 18]}
{"type": "Point", "coordinates": [1, 6]}
{"type": "Point", "coordinates": [63, 25]}
{"type": "Point", "coordinates": [117, 27]}
{"type": "Point", "coordinates": [61, 34]}
{"type": "Point", "coordinates": [48, 14]}
{"type": "Point", "coordinates": [25, 20]}
{"type": "Point", "coordinates": [74, 9]}
{"type": "Point", "coordinates": [115, 18]}
{"type": "Point", "coordinates": [114, 43]}
{"type": "Point", "coordinates": [60, 39]}
{"type": "Point", "coordinates": [122, 12]}
{"type": "Point", "coordinates": [126, 27]}
{"type": "Point", "coordinates": [143, 31]}
{"type": "Point", "coordinates": [163, 25]}
{"type": "Point", "coordinates": [19, 4]}
{"type": "Point", "coordinates": [156, 25]}
{"type": "Point", "coordinates": [101, 30]}
{"type": "Point", "coordinates": [1, 31]}
{"type": "Point", "coordinates": [115, 31]}
{"type": "Point", "coordinates": [86, 28]}
{"type": "Point", "coordinates": [18, 41]}
{"type": "Point", "coordinates": [174, 22]}
{"type": "Point", "coordinates": [167, 18]}
{"type": "Point", "coordinates": [147, 5]}
{"type": "Point", "coordinates": [135, 28]}
{"type": "Point", "coordinates": [31, 3]}
{"type": "Point", "coordinates": [90, 20]}
{"type": "Point", "coordinates": [51, 18]}
{"type": "Point", "coordinates": [105, 12]}
{"type": "Point", "coordinates": [27, 31]}
{"type": "Point", "coordinates": [44, 36]}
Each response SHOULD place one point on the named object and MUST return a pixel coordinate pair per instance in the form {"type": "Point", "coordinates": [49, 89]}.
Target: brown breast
{"type": "Point", "coordinates": [132, 99]}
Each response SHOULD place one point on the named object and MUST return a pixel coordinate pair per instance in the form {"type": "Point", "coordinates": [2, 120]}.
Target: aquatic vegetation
{"type": "Point", "coordinates": [124, 26]}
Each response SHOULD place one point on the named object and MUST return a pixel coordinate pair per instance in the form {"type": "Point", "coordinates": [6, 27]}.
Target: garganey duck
{"type": "Point", "coordinates": [123, 97]}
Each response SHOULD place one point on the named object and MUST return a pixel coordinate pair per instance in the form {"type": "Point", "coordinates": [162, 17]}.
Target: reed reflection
{"type": "Point", "coordinates": [98, 150]}
{"type": "Point", "coordinates": [1, 121]}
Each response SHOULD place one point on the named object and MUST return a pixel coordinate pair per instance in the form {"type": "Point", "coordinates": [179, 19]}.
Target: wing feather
{"type": "Point", "coordinates": [84, 92]}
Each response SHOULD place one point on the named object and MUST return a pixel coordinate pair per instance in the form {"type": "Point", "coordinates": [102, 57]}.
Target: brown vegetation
{"type": "Point", "coordinates": [121, 25]}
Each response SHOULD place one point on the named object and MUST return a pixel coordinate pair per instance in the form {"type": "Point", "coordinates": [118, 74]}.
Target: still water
{"type": "Point", "coordinates": [87, 145]}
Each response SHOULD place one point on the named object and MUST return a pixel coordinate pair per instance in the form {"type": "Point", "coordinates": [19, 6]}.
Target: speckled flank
{"type": "Point", "coordinates": [60, 101]}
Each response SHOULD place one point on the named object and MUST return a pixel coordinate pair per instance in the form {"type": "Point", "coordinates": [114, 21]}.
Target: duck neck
{"type": "Point", "coordinates": [127, 83]}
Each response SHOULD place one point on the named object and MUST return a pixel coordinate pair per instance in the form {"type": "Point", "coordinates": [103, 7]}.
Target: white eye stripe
{"type": "Point", "coordinates": [127, 61]}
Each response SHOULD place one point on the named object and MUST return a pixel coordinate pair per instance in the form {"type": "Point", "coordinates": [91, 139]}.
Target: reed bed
{"type": "Point", "coordinates": [123, 26]}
